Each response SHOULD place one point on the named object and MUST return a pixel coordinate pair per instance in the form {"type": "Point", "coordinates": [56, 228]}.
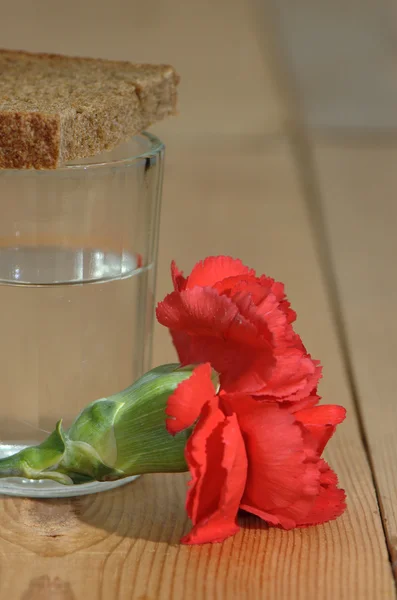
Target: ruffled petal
{"type": "Point", "coordinates": [278, 290]}
{"type": "Point", "coordinates": [308, 402]}
{"type": "Point", "coordinates": [294, 378]}
{"type": "Point", "coordinates": [240, 328]}
{"type": "Point", "coordinates": [258, 288]}
{"type": "Point", "coordinates": [243, 283]}
{"type": "Point", "coordinates": [200, 311]}
{"type": "Point", "coordinates": [320, 422]}
{"type": "Point", "coordinates": [217, 461]}
{"type": "Point", "coordinates": [330, 502]}
{"type": "Point", "coordinates": [266, 314]}
{"type": "Point", "coordinates": [207, 327]}
{"type": "Point", "coordinates": [283, 480]}
{"type": "Point", "coordinates": [185, 404]}
{"type": "Point", "coordinates": [215, 268]}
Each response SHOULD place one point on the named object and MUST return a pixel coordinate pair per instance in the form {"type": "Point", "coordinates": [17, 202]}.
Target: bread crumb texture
{"type": "Point", "coordinates": [55, 108]}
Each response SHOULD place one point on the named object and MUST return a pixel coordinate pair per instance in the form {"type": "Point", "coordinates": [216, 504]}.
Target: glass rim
{"type": "Point", "coordinates": [156, 146]}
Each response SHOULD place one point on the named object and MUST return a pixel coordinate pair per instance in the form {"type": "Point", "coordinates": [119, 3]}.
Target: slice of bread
{"type": "Point", "coordinates": [55, 108]}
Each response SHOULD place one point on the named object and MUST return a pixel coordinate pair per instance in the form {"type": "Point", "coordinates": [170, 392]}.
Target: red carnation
{"type": "Point", "coordinates": [255, 455]}
{"type": "Point", "coordinates": [240, 323]}
{"type": "Point", "coordinates": [256, 443]}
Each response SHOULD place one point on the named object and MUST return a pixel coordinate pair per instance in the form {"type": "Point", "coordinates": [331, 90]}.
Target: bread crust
{"type": "Point", "coordinates": [140, 95]}
{"type": "Point", "coordinates": [29, 141]}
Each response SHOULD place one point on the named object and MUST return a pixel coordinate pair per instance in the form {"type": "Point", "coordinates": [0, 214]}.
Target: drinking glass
{"type": "Point", "coordinates": [78, 250]}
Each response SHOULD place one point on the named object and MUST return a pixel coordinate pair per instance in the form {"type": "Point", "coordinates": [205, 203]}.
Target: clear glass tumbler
{"type": "Point", "coordinates": [78, 249]}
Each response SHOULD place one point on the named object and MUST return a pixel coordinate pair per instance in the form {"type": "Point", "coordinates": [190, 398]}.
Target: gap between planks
{"type": "Point", "coordinates": [302, 146]}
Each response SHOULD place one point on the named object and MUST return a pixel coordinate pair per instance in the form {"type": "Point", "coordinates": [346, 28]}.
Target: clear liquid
{"type": "Point", "coordinates": [51, 265]}
{"type": "Point", "coordinates": [73, 329]}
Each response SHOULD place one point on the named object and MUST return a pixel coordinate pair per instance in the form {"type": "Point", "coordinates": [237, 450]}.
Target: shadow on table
{"type": "Point", "coordinates": [152, 508]}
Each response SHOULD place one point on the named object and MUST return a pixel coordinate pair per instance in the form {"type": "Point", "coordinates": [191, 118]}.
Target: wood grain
{"type": "Point", "coordinates": [124, 543]}
{"type": "Point", "coordinates": [358, 183]}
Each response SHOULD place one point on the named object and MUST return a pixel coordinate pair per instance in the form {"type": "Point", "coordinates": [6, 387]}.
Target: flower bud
{"type": "Point", "coordinates": [113, 437]}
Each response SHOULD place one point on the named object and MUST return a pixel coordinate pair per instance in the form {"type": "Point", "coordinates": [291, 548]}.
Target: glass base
{"type": "Point", "coordinates": [44, 488]}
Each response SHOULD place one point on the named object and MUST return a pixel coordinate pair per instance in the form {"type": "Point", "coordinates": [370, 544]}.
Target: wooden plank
{"type": "Point", "coordinates": [124, 544]}
{"type": "Point", "coordinates": [226, 81]}
{"type": "Point", "coordinates": [343, 57]}
{"type": "Point", "coordinates": [358, 190]}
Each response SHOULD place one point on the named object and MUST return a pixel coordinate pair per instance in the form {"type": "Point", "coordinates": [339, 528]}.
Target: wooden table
{"type": "Point", "coordinates": [125, 543]}
{"type": "Point", "coordinates": [318, 212]}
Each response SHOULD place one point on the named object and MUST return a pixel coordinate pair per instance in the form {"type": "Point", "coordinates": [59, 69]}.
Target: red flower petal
{"type": "Point", "coordinates": [266, 313]}
{"type": "Point", "coordinates": [295, 376]}
{"type": "Point", "coordinates": [282, 482]}
{"type": "Point", "coordinates": [183, 345]}
{"type": "Point", "coordinates": [185, 404]}
{"type": "Point", "coordinates": [327, 414]}
{"type": "Point", "coordinates": [308, 402]}
{"type": "Point", "coordinates": [258, 288]}
{"type": "Point", "coordinates": [239, 327]}
{"type": "Point", "coordinates": [215, 268]}
{"type": "Point", "coordinates": [243, 283]}
{"type": "Point", "coordinates": [178, 279]}
{"type": "Point", "coordinates": [216, 457]}
{"type": "Point", "coordinates": [320, 423]}
{"type": "Point", "coordinates": [330, 503]}
{"type": "Point", "coordinates": [207, 327]}
{"type": "Point", "coordinates": [200, 311]}
{"type": "Point", "coordinates": [279, 291]}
